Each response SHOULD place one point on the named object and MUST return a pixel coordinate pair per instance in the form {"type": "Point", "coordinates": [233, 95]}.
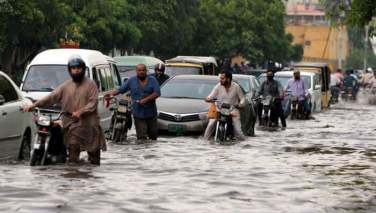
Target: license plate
{"type": "Point", "coordinates": [177, 128]}
{"type": "Point", "coordinates": [36, 146]}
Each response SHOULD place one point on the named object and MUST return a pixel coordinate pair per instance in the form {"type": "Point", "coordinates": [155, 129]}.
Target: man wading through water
{"type": "Point", "coordinates": [144, 91]}
{"type": "Point", "coordinates": [78, 96]}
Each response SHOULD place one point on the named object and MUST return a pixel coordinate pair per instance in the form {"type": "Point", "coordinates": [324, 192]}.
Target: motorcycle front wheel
{"type": "Point", "coordinates": [117, 136]}
{"type": "Point", "coordinates": [222, 132]}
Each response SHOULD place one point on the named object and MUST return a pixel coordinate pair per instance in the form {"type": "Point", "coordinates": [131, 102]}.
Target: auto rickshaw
{"type": "Point", "coordinates": [192, 65]}
{"type": "Point", "coordinates": [324, 70]}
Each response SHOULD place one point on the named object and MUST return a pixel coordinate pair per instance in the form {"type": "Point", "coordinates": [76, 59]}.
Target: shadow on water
{"type": "Point", "coordinates": [77, 173]}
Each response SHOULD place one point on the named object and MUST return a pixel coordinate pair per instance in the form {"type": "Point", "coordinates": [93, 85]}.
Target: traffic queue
{"type": "Point", "coordinates": [71, 100]}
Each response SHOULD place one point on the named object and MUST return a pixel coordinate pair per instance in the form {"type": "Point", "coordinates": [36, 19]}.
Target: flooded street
{"type": "Point", "coordinates": [323, 165]}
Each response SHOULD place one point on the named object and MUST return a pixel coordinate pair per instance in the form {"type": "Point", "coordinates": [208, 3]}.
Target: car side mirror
{"type": "Point", "coordinates": [2, 100]}
{"type": "Point", "coordinates": [317, 87]}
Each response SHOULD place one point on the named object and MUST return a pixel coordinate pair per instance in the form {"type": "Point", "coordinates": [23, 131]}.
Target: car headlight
{"type": "Point", "coordinates": [203, 115]}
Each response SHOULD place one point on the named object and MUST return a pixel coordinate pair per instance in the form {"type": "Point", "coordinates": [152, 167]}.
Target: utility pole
{"type": "Point", "coordinates": [365, 47]}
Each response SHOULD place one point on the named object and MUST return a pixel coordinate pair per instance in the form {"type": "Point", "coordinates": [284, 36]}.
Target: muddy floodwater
{"type": "Point", "coordinates": [322, 165]}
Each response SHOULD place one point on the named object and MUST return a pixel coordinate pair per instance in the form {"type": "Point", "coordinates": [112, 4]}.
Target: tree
{"type": "Point", "coordinates": [356, 13]}
{"type": "Point", "coordinates": [26, 26]}
{"type": "Point", "coordinates": [167, 26]}
{"type": "Point", "coordinates": [252, 28]}
{"type": "Point", "coordinates": [106, 25]}
{"type": "Point", "coordinates": [356, 59]}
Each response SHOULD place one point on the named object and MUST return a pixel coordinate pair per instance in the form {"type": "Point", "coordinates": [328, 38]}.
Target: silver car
{"type": "Point", "coordinates": [16, 127]}
{"type": "Point", "coordinates": [182, 109]}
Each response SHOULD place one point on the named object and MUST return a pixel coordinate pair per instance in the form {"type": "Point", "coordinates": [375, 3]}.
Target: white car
{"type": "Point", "coordinates": [16, 126]}
{"type": "Point", "coordinates": [312, 80]}
{"type": "Point", "coordinates": [49, 69]}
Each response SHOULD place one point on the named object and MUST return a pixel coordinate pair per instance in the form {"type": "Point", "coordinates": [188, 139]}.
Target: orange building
{"type": "Point", "coordinates": [322, 43]}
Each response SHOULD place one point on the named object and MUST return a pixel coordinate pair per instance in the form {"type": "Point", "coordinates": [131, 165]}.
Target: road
{"type": "Point", "coordinates": [322, 165]}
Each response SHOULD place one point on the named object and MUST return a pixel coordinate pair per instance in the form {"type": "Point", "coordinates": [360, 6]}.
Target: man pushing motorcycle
{"type": "Point", "coordinates": [78, 96]}
{"type": "Point", "coordinates": [228, 92]}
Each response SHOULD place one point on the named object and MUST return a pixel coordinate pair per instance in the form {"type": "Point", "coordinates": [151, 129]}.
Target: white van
{"type": "Point", "coordinates": [49, 69]}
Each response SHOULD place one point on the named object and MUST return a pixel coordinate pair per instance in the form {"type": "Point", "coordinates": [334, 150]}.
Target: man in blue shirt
{"type": "Point", "coordinates": [144, 91]}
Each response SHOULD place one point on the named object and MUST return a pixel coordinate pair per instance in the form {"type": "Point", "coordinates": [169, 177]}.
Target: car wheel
{"type": "Point", "coordinates": [24, 153]}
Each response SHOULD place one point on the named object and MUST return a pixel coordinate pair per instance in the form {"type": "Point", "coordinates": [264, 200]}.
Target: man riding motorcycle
{"type": "Point", "coordinates": [296, 87]}
{"type": "Point", "coordinates": [335, 85]}
{"type": "Point", "coordinates": [227, 92]}
{"type": "Point", "coordinates": [273, 88]}
{"type": "Point", "coordinates": [350, 83]}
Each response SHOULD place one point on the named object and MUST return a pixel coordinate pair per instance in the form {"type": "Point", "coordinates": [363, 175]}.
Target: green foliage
{"type": "Point", "coordinates": [253, 28]}
{"type": "Point", "coordinates": [362, 12]}
{"type": "Point", "coordinates": [356, 59]}
{"type": "Point", "coordinates": [354, 13]}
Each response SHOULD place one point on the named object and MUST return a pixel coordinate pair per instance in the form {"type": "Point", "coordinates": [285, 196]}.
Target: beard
{"type": "Point", "coordinates": [270, 78]}
{"type": "Point", "coordinates": [141, 77]}
{"type": "Point", "coordinates": [297, 78]}
{"type": "Point", "coordinates": [77, 78]}
{"type": "Point", "coordinates": [224, 83]}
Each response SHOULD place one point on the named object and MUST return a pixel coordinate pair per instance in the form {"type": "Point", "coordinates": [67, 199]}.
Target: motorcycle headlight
{"type": "Point", "coordinates": [122, 109]}
{"type": "Point", "coordinates": [43, 121]}
{"type": "Point", "coordinates": [225, 111]}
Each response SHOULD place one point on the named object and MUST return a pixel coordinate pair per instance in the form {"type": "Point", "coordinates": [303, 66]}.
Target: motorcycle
{"type": "Point", "coordinates": [348, 94]}
{"type": "Point", "coordinates": [121, 120]}
{"type": "Point", "coordinates": [297, 109]}
{"type": "Point", "coordinates": [48, 146]}
{"type": "Point", "coordinates": [223, 130]}
{"type": "Point", "coordinates": [266, 103]}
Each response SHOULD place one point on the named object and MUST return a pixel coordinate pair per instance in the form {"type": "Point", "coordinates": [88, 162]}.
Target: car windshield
{"type": "Point", "coordinates": [128, 71]}
{"type": "Point", "coordinates": [284, 80]}
{"type": "Point", "coordinates": [173, 71]}
{"type": "Point", "coordinates": [45, 77]}
{"type": "Point", "coordinates": [244, 83]}
{"type": "Point", "coordinates": [188, 88]}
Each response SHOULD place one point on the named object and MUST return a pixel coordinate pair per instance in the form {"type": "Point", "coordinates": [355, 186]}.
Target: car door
{"type": "Point", "coordinates": [11, 118]}
{"type": "Point", "coordinates": [105, 82]}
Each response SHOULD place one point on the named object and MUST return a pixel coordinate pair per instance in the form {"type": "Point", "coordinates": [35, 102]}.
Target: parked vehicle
{"type": "Point", "coordinates": [182, 109]}
{"type": "Point", "coordinates": [313, 82]}
{"type": "Point", "coordinates": [49, 69]}
{"type": "Point", "coordinates": [121, 120]}
{"type": "Point", "coordinates": [223, 127]}
{"type": "Point", "coordinates": [251, 85]}
{"type": "Point", "coordinates": [324, 71]}
{"type": "Point", "coordinates": [16, 126]}
{"type": "Point", "coordinates": [48, 146]}
{"type": "Point", "coordinates": [255, 72]}
{"type": "Point", "coordinates": [127, 64]}
{"type": "Point", "coordinates": [191, 65]}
